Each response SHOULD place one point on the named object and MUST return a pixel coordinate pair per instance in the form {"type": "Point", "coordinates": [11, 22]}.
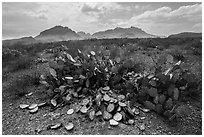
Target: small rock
{"type": "Point", "coordinates": [69, 78]}
{"type": "Point", "coordinates": [110, 107]}
{"type": "Point", "coordinates": [68, 97]}
{"type": "Point", "coordinates": [69, 126]}
{"type": "Point", "coordinates": [93, 53]}
{"type": "Point", "coordinates": [142, 118]}
{"type": "Point", "coordinates": [106, 88]}
{"type": "Point", "coordinates": [111, 100]}
{"type": "Point", "coordinates": [119, 109]}
{"type": "Point", "coordinates": [53, 102]}
{"type": "Point", "coordinates": [56, 126]}
{"type": "Point", "coordinates": [145, 110]}
{"type": "Point", "coordinates": [70, 111]}
{"type": "Point", "coordinates": [34, 110]}
{"type": "Point", "coordinates": [33, 106]}
{"type": "Point", "coordinates": [113, 122]}
{"type": "Point", "coordinates": [23, 106]}
{"type": "Point", "coordinates": [85, 101]}
{"type": "Point", "coordinates": [137, 112]}
{"type": "Point", "coordinates": [121, 97]}
{"type": "Point", "coordinates": [131, 121]}
{"type": "Point", "coordinates": [29, 94]}
{"type": "Point", "coordinates": [133, 110]}
{"type": "Point", "coordinates": [107, 115]}
{"type": "Point", "coordinates": [106, 97]}
{"type": "Point", "coordinates": [122, 104]}
{"type": "Point", "coordinates": [142, 127]}
{"type": "Point", "coordinates": [92, 114]}
{"type": "Point", "coordinates": [98, 113]}
{"type": "Point", "coordinates": [42, 104]}
{"type": "Point", "coordinates": [117, 116]}
{"type": "Point", "coordinates": [84, 109]}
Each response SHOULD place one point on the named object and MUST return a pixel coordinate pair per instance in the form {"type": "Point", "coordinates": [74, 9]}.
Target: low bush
{"type": "Point", "coordinates": [19, 84]}
{"type": "Point", "coordinates": [20, 63]}
{"type": "Point", "coordinates": [178, 55]}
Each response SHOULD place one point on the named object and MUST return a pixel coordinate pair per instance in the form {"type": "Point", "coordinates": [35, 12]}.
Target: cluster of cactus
{"type": "Point", "coordinates": [161, 92]}
{"type": "Point", "coordinates": [98, 82]}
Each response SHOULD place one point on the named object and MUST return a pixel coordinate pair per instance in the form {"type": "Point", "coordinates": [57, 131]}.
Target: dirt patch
{"type": "Point", "coordinates": [20, 122]}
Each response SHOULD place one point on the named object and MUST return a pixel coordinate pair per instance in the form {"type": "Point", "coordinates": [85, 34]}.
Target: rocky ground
{"type": "Point", "coordinates": [16, 121]}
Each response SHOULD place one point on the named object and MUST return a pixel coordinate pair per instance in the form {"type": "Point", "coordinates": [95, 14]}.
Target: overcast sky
{"type": "Point", "coordinates": [29, 19]}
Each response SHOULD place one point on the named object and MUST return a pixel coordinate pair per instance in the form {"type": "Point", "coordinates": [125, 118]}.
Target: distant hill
{"type": "Point", "coordinates": [23, 40]}
{"type": "Point", "coordinates": [84, 35]}
{"type": "Point", "coordinates": [132, 32]}
{"type": "Point", "coordinates": [57, 33]}
{"type": "Point", "coordinates": [185, 35]}
{"type": "Point", "coordinates": [60, 33]}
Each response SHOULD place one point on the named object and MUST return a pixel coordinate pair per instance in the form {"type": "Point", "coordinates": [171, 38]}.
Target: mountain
{"type": "Point", "coordinates": [84, 35]}
{"type": "Point", "coordinates": [23, 40]}
{"type": "Point", "coordinates": [57, 33]}
{"type": "Point", "coordinates": [132, 32]}
{"type": "Point", "coordinates": [186, 35]}
{"type": "Point", "coordinates": [60, 33]}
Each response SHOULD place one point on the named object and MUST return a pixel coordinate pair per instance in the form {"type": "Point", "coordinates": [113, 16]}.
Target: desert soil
{"type": "Point", "coordinates": [16, 121]}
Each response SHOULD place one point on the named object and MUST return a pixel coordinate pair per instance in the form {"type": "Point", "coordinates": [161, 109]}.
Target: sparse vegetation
{"type": "Point", "coordinates": [19, 85]}
{"type": "Point", "coordinates": [133, 68]}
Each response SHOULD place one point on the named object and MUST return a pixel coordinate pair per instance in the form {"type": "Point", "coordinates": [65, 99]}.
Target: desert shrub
{"type": "Point", "coordinates": [19, 84]}
{"type": "Point", "coordinates": [194, 47]}
{"type": "Point", "coordinates": [10, 54]}
{"type": "Point", "coordinates": [148, 43]}
{"type": "Point", "coordinates": [178, 55]}
{"type": "Point", "coordinates": [14, 60]}
{"type": "Point", "coordinates": [23, 62]}
{"type": "Point", "coordinates": [197, 52]}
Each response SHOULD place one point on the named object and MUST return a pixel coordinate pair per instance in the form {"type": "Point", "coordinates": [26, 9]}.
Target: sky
{"type": "Point", "coordinates": [29, 19]}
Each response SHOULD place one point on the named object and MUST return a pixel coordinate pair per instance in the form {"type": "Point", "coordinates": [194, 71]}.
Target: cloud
{"type": "Point", "coordinates": [42, 16]}
{"type": "Point", "coordinates": [166, 13]}
{"type": "Point", "coordinates": [166, 17]}
{"type": "Point", "coordinates": [198, 25]}
{"type": "Point", "coordinates": [64, 20]}
{"type": "Point", "coordinates": [21, 19]}
{"type": "Point", "coordinates": [156, 15]}
{"type": "Point", "coordinates": [17, 24]}
{"type": "Point", "coordinates": [87, 8]}
{"type": "Point", "coordinates": [20, 6]}
{"type": "Point", "coordinates": [186, 10]}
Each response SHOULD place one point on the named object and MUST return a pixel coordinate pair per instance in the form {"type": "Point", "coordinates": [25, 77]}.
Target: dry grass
{"type": "Point", "coordinates": [19, 83]}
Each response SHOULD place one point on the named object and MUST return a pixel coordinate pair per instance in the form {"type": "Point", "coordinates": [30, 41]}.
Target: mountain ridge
{"type": "Point", "coordinates": [57, 33]}
{"type": "Point", "coordinates": [84, 35]}
{"type": "Point", "coordinates": [60, 33]}
{"type": "Point", "coordinates": [118, 32]}
{"type": "Point", "coordinates": [23, 40]}
{"type": "Point", "coordinates": [185, 35]}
